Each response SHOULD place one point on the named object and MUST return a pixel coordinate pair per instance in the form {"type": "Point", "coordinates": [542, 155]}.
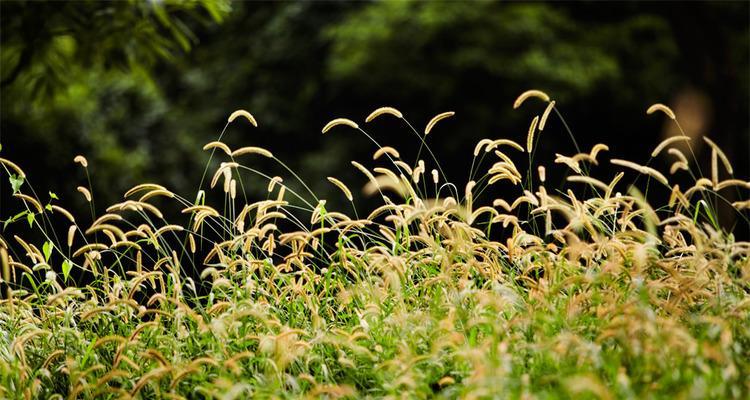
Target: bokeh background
{"type": "Point", "coordinates": [138, 87]}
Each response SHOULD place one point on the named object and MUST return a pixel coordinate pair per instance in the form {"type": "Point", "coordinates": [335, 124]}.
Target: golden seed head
{"type": "Point", "coordinates": [81, 160]}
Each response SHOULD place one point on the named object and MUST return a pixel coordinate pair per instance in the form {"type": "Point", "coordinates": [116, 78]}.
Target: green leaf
{"type": "Point", "coordinates": [30, 218]}
{"type": "Point", "coordinates": [15, 183]}
{"type": "Point", "coordinates": [66, 267]}
{"type": "Point", "coordinates": [47, 250]}
{"type": "Point", "coordinates": [14, 219]}
{"type": "Point", "coordinates": [48, 207]}
{"type": "Point", "coordinates": [52, 195]}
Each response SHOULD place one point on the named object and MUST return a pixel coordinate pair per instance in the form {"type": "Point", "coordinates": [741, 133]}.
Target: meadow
{"type": "Point", "coordinates": [585, 289]}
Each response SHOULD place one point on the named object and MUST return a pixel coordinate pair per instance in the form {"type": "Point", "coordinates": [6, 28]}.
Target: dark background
{"type": "Point", "coordinates": [139, 87]}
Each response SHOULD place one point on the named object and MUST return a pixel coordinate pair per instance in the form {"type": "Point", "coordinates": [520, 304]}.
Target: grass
{"type": "Point", "coordinates": [580, 291]}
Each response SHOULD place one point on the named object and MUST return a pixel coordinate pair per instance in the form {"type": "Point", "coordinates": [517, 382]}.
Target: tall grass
{"type": "Point", "coordinates": [585, 290]}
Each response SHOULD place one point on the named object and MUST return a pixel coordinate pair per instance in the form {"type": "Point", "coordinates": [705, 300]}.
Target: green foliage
{"type": "Point", "coordinates": [15, 218]}
{"type": "Point", "coordinates": [515, 42]}
{"type": "Point", "coordinates": [15, 183]}
{"type": "Point", "coordinates": [47, 250]}
{"type": "Point", "coordinates": [66, 268]}
{"type": "Point", "coordinates": [122, 97]}
{"type": "Point", "coordinates": [47, 44]}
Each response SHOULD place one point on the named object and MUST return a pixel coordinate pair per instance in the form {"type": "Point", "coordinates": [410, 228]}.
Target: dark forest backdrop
{"type": "Point", "coordinates": [139, 87]}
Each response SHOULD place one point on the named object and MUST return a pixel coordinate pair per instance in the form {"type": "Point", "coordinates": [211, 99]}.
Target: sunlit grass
{"type": "Point", "coordinates": [584, 290]}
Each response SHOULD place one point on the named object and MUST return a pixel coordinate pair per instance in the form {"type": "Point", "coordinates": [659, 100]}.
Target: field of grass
{"type": "Point", "coordinates": [585, 290]}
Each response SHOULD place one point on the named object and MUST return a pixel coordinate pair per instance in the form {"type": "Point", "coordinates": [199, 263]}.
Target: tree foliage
{"type": "Point", "coordinates": [137, 86]}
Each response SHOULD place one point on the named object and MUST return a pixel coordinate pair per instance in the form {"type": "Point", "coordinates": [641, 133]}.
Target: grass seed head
{"type": "Point", "coordinates": [528, 94]}
{"type": "Point", "coordinates": [81, 160]}
{"type": "Point", "coordinates": [437, 119]}
{"type": "Point", "coordinates": [661, 107]}
{"type": "Point", "coordinates": [339, 121]}
{"type": "Point", "coordinates": [244, 114]}
{"type": "Point", "coordinates": [384, 110]}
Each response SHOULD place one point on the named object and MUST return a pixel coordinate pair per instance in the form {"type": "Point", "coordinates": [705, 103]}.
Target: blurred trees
{"type": "Point", "coordinates": [82, 77]}
{"type": "Point", "coordinates": [46, 43]}
{"type": "Point", "coordinates": [139, 105]}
